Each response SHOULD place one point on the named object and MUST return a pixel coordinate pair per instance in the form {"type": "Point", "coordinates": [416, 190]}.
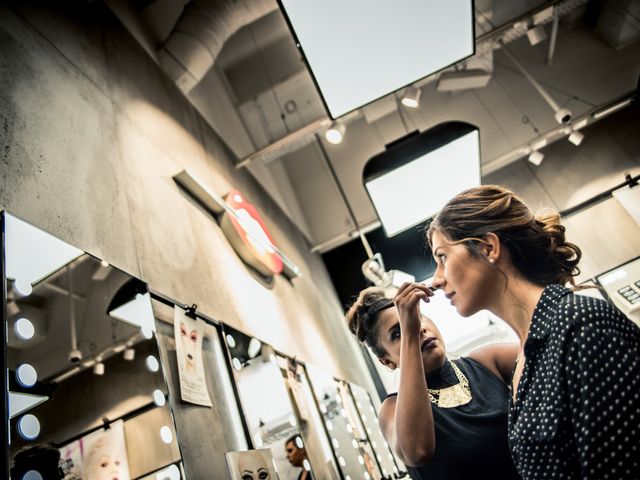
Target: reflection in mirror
{"type": "Point", "coordinates": [316, 442]}
{"type": "Point", "coordinates": [271, 415]}
{"type": "Point", "coordinates": [84, 375]}
{"type": "Point", "coordinates": [348, 439]}
{"type": "Point", "coordinates": [389, 464]}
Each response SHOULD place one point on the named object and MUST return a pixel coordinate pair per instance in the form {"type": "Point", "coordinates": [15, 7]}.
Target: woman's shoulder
{"type": "Point", "coordinates": [579, 312]}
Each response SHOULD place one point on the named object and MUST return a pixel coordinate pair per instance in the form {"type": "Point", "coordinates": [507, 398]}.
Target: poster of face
{"type": "Point", "coordinates": [101, 455]}
{"type": "Point", "coordinates": [188, 334]}
{"type": "Point", "coordinates": [252, 465]}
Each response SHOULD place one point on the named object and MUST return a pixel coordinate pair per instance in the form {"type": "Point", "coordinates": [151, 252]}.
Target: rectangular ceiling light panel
{"type": "Point", "coordinates": [415, 191]}
{"type": "Point", "coordinates": [359, 50]}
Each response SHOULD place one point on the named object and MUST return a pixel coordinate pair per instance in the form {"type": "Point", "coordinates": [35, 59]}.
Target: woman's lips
{"type": "Point", "coordinates": [428, 343]}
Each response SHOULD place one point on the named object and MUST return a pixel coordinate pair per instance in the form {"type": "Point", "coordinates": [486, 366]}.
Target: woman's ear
{"type": "Point", "coordinates": [492, 247]}
{"type": "Point", "coordinates": [387, 363]}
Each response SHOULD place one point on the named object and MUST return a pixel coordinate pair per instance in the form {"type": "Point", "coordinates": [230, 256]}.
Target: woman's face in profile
{"type": "Point", "coordinates": [467, 281]}
{"type": "Point", "coordinates": [252, 466]}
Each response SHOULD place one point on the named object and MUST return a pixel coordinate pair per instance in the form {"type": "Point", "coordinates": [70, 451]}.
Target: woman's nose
{"type": "Point", "coordinates": [438, 280]}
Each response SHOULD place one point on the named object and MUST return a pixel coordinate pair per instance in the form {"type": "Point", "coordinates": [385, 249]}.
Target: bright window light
{"type": "Point", "coordinates": [417, 184]}
{"type": "Point", "coordinates": [33, 254]}
{"type": "Point", "coordinates": [376, 48]}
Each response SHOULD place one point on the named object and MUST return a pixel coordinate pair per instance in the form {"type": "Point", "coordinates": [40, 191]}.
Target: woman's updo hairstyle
{"type": "Point", "coordinates": [536, 243]}
{"type": "Point", "coordinates": [362, 317]}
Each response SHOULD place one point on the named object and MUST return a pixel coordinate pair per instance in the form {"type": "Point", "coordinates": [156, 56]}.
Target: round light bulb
{"type": "Point", "coordinates": [306, 465]}
{"type": "Point", "coordinates": [159, 398]}
{"type": "Point", "coordinates": [23, 287]}
{"type": "Point", "coordinates": [32, 475]}
{"type": "Point", "coordinates": [29, 427]}
{"type": "Point", "coordinates": [166, 434]}
{"type": "Point", "coordinates": [231, 341]}
{"type": "Point", "coordinates": [236, 363]}
{"type": "Point", "coordinates": [26, 375]}
{"type": "Point", "coordinates": [152, 363]}
{"type": "Point", "coordinates": [24, 328]}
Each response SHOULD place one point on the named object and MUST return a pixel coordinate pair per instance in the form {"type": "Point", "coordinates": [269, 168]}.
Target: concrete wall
{"type": "Point", "coordinates": [91, 134]}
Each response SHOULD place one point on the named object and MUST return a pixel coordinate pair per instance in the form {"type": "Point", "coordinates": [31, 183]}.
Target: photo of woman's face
{"type": "Point", "coordinates": [189, 340]}
{"type": "Point", "coordinates": [251, 466]}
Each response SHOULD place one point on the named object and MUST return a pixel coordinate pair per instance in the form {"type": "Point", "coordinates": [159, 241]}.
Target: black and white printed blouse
{"type": "Point", "coordinates": [577, 408]}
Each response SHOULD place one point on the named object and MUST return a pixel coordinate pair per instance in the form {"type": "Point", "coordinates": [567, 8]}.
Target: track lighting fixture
{"type": "Point", "coordinates": [576, 137]}
{"type": "Point", "coordinates": [335, 133]}
{"type": "Point", "coordinates": [536, 35]}
{"type": "Point", "coordinates": [98, 368]}
{"type": "Point", "coordinates": [411, 97]}
{"type": "Point", "coordinates": [129, 354]}
{"type": "Point", "coordinates": [536, 157]}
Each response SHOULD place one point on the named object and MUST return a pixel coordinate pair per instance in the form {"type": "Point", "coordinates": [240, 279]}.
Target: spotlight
{"type": "Point", "coordinates": [536, 35]}
{"type": "Point", "coordinates": [129, 354]}
{"type": "Point", "coordinates": [536, 157]}
{"type": "Point", "coordinates": [411, 97]}
{"type": "Point", "coordinates": [576, 138]}
{"type": "Point", "coordinates": [335, 133]}
{"type": "Point", "coordinates": [98, 368]}
{"type": "Point", "coordinates": [563, 116]}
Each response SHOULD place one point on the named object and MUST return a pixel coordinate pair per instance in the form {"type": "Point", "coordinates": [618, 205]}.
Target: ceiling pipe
{"type": "Point", "coordinates": [200, 33]}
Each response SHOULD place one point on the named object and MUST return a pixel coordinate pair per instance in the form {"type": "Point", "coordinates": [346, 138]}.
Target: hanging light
{"type": "Point", "coordinates": [335, 133]}
{"type": "Point", "coordinates": [411, 97]}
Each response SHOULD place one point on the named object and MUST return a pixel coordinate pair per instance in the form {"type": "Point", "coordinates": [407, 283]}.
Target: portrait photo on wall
{"type": "Point", "coordinates": [252, 465]}
{"type": "Point", "coordinates": [188, 334]}
{"type": "Point", "coordinates": [100, 455]}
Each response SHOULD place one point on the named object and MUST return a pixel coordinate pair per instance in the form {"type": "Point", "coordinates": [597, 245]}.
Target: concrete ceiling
{"type": "Point", "coordinates": [259, 93]}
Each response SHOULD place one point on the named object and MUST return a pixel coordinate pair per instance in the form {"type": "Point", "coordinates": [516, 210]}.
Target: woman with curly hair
{"type": "Point", "coordinates": [574, 410]}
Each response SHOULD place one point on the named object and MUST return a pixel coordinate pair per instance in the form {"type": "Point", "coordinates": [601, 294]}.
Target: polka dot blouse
{"type": "Point", "coordinates": [577, 409]}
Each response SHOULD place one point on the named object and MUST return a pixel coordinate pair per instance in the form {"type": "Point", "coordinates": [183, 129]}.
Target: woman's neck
{"type": "Point", "coordinates": [516, 305]}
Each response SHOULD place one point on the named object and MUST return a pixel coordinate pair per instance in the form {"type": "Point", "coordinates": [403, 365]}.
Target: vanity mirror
{"type": "Point", "coordinates": [84, 374]}
{"type": "Point", "coordinates": [271, 415]}
{"type": "Point", "coordinates": [348, 437]}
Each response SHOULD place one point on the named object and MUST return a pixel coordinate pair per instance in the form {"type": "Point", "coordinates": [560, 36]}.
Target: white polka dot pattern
{"type": "Point", "coordinates": [577, 407]}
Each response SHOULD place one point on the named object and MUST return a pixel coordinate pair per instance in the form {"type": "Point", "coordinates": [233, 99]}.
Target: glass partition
{"type": "Point", "coordinates": [84, 373]}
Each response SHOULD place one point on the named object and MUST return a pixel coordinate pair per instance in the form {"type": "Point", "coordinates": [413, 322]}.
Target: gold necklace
{"type": "Point", "coordinates": [454, 396]}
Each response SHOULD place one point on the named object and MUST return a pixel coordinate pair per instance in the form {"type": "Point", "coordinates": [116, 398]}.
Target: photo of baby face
{"type": "Point", "coordinates": [189, 339]}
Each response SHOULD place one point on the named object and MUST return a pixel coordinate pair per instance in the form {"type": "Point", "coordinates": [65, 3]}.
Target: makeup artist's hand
{"type": "Point", "coordinates": [407, 301]}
